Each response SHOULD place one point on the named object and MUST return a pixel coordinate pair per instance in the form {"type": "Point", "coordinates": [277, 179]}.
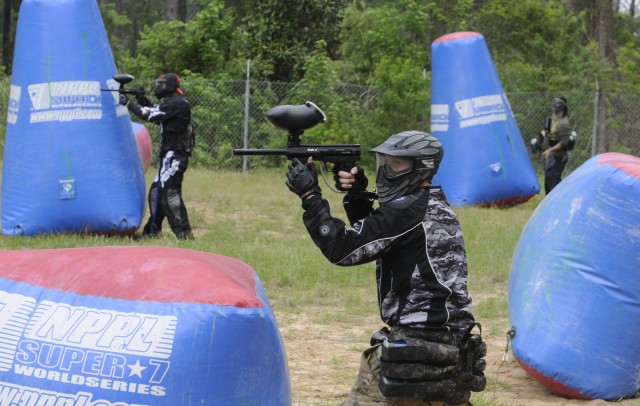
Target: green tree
{"type": "Point", "coordinates": [277, 35]}
{"type": "Point", "coordinates": [9, 21]}
{"type": "Point", "coordinates": [389, 48]}
{"type": "Point", "coordinates": [201, 47]}
{"type": "Point", "coordinates": [535, 45]}
{"type": "Point", "coordinates": [400, 30]}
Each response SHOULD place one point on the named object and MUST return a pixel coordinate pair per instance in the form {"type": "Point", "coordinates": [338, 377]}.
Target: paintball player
{"type": "Point", "coordinates": [558, 138]}
{"type": "Point", "coordinates": [174, 117]}
{"type": "Point", "coordinates": [427, 355]}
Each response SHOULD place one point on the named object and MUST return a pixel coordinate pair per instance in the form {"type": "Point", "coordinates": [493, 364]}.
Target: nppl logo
{"type": "Point", "coordinates": [83, 346]}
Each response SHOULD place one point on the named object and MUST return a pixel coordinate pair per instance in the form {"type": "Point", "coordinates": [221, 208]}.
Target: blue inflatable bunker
{"type": "Point", "coordinates": [120, 326]}
{"type": "Point", "coordinates": [574, 286]}
{"type": "Point", "coordinates": [485, 159]}
{"type": "Point", "coordinates": [71, 163]}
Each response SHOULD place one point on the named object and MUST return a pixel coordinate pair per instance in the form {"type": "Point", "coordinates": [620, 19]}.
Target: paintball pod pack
{"type": "Point", "coordinates": [124, 78]}
{"type": "Point", "coordinates": [295, 120]}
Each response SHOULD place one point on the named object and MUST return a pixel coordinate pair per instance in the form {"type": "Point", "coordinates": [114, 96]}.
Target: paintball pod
{"type": "Point", "coordinates": [124, 78]}
{"type": "Point", "coordinates": [295, 120]}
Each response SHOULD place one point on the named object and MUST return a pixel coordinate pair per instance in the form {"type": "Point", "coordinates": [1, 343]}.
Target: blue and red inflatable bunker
{"type": "Point", "coordinates": [136, 326]}
{"type": "Point", "coordinates": [485, 159]}
{"type": "Point", "coordinates": [574, 286]}
{"type": "Point", "coordinates": [71, 163]}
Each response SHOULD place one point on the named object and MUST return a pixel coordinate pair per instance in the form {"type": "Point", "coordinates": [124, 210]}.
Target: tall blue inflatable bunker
{"type": "Point", "coordinates": [136, 326]}
{"type": "Point", "coordinates": [71, 163]}
{"type": "Point", "coordinates": [574, 286]}
{"type": "Point", "coordinates": [485, 159]}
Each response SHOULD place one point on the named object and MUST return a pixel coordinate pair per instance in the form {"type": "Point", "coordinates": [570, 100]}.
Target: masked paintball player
{"type": "Point", "coordinates": [558, 137]}
{"type": "Point", "coordinates": [426, 354]}
{"type": "Point", "coordinates": [173, 114]}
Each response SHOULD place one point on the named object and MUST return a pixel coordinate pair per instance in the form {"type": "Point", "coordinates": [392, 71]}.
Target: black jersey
{"type": "Point", "coordinates": [417, 243]}
{"type": "Point", "coordinates": [174, 117]}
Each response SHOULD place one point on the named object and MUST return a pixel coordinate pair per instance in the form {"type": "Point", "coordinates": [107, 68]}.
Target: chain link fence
{"type": "Point", "coordinates": [231, 114]}
{"type": "Point", "coordinates": [604, 123]}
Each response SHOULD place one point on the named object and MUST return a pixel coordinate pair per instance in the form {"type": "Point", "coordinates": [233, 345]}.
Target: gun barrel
{"type": "Point", "coordinates": [135, 92]}
{"type": "Point", "coordinates": [259, 152]}
{"type": "Point", "coordinates": [317, 151]}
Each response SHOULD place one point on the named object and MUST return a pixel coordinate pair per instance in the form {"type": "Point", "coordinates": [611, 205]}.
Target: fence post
{"type": "Point", "coordinates": [594, 138]}
{"type": "Point", "coordinates": [246, 115]}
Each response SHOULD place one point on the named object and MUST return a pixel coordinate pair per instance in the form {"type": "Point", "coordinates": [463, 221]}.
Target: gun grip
{"type": "Point", "coordinates": [342, 166]}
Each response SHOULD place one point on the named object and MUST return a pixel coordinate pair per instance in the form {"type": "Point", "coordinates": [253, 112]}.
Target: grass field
{"type": "Point", "coordinates": [254, 217]}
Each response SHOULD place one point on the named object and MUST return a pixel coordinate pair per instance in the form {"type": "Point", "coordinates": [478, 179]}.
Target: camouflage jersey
{"type": "Point", "coordinates": [417, 243]}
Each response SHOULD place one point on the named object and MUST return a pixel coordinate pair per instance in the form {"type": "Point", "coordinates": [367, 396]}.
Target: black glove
{"type": "Point", "coordinates": [143, 101]}
{"type": "Point", "coordinates": [302, 179]}
{"type": "Point", "coordinates": [360, 184]}
{"type": "Point", "coordinates": [124, 100]}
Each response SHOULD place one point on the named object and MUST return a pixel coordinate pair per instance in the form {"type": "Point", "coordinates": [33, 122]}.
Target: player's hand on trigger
{"type": "Point", "coordinates": [353, 180]}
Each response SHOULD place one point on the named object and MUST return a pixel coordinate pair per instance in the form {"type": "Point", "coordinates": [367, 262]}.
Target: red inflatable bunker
{"type": "Point", "coordinates": [143, 141]}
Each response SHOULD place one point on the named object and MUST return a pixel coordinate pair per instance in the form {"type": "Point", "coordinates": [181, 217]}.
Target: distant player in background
{"type": "Point", "coordinates": [558, 137]}
{"type": "Point", "coordinates": [174, 117]}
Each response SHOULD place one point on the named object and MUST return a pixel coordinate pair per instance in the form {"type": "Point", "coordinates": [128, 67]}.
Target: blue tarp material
{"type": "Point", "coordinates": [485, 159]}
{"type": "Point", "coordinates": [574, 285]}
{"type": "Point", "coordinates": [133, 326]}
{"type": "Point", "coordinates": [71, 162]}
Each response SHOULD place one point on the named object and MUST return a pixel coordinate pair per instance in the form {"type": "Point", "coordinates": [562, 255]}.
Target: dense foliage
{"type": "Point", "coordinates": [384, 46]}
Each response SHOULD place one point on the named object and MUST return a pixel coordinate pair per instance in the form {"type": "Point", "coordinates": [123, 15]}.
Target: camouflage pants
{"type": "Point", "coordinates": [365, 391]}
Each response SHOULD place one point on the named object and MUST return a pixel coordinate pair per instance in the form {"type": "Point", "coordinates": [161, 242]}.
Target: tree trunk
{"type": "Point", "coordinates": [604, 33]}
{"type": "Point", "coordinates": [6, 34]}
{"type": "Point", "coordinates": [175, 10]}
{"type": "Point", "coordinates": [182, 10]}
{"type": "Point", "coordinates": [604, 28]}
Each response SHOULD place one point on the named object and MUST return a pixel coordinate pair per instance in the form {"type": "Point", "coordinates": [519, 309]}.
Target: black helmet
{"type": "Point", "coordinates": [167, 84]}
{"type": "Point", "coordinates": [404, 161]}
{"type": "Point", "coordinates": [559, 104]}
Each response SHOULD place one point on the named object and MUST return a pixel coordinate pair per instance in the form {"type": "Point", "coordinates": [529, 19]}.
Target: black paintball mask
{"type": "Point", "coordinates": [404, 161]}
{"type": "Point", "coordinates": [167, 84]}
{"type": "Point", "coordinates": [559, 104]}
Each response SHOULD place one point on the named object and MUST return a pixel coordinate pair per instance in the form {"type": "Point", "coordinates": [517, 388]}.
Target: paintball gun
{"type": "Point", "coordinates": [295, 120]}
{"type": "Point", "coordinates": [536, 143]}
{"type": "Point", "coordinates": [124, 78]}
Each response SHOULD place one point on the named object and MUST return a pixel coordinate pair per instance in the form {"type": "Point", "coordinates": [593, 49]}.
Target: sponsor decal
{"type": "Point", "coordinates": [65, 101]}
{"type": "Point", "coordinates": [481, 110]}
{"type": "Point", "coordinates": [67, 189]}
{"type": "Point", "coordinates": [439, 117]}
{"type": "Point", "coordinates": [14, 104]}
{"type": "Point", "coordinates": [66, 346]}
{"type": "Point", "coordinates": [11, 395]}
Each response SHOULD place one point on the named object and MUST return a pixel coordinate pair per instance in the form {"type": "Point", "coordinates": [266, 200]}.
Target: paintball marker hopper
{"type": "Point", "coordinates": [296, 119]}
{"type": "Point", "coordinates": [122, 79]}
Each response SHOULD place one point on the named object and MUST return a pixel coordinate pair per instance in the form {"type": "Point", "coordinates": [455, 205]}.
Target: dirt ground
{"type": "Point", "coordinates": [324, 360]}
